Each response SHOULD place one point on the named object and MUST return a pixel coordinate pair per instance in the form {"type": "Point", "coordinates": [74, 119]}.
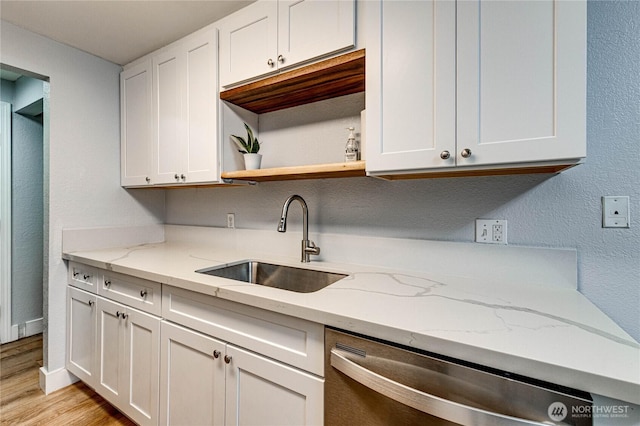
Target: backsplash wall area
{"type": "Point", "coordinates": [558, 211]}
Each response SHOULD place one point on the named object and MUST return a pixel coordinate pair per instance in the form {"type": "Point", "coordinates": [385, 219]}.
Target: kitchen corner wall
{"type": "Point", "coordinates": [82, 165]}
{"type": "Point", "coordinates": [559, 211]}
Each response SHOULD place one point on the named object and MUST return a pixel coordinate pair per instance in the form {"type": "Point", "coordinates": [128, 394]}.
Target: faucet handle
{"type": "Point", "coordinates": [311, 248]}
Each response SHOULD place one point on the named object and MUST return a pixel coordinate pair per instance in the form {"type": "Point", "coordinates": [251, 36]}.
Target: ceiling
{"type": "Point", "coordinates": [116, 30]}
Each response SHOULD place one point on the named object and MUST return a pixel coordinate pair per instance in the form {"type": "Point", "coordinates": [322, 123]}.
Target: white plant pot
{"type": "Point", "coordinates": [252, 161]}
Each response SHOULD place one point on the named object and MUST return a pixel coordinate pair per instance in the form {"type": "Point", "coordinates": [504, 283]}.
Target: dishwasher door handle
{"type": "Point", "coordinates": [422, 401]}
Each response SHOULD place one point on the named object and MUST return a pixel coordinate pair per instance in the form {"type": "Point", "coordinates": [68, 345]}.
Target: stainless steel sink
{"type": "Point", "coordinates": [279, 276]}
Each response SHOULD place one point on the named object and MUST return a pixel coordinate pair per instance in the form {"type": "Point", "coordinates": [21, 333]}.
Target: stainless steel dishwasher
{"type": "Point", "coordinates": [369, 382]}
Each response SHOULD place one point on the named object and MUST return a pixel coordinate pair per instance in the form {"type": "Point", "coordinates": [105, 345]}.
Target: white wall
{"type": "Point", "coordinates": [560, 211]}
{"type": "Point", "coordinates": [82, 160]}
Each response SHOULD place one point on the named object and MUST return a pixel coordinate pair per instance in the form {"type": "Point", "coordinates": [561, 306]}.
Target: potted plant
{"type": "Point", "coordinates": [249, 148]}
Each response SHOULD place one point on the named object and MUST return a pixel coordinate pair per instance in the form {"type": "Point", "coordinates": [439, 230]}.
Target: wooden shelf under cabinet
{"type": "Point", "coordinates": [316, 171]}
{"type": "Point", "coordinates": [331, 78]}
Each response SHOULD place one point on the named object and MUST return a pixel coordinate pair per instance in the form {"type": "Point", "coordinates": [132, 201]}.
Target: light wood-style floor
{"type": "Point", "coordinates": [23, 403]}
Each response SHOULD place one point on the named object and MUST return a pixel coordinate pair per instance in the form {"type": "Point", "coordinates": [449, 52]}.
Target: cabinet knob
{"type": "Point", "coordinates": [148, 179]}
{"type": "Point", "coordinates": [91, 302]}
{"type": "Point", "coordinates": [143, 293]}
{"type": "Point", "coordinates": [281, 59]}
{"type": "Point", "coordinates": [86, 277]}
{"type": "Point", "coordinates": [125, 316]}
{"type": "Point", "coordinates": [183, 177]}
{"type": "Point", "coordinates": [270, 62]}
{"type": "Point", "coordinates": [107, 283]}
{"type": "Point", "coordinates": [118, 313]}
{"type": "Point", "coordinates": [75, 274]}
{"type": "Point", "coordinates": [445, 155]}
{"type": "Point", "coordinates": [466, 153]}
{"type": "Point", "coordinates": [227, 359]}
{"type": "Point", "coordinates": [176, 177]}
{"type": "Point", "coordinates": [216, 354]}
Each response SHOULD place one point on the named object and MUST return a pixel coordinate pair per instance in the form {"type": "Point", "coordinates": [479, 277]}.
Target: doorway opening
{"type": "Point", "coordinates": [23, 201]}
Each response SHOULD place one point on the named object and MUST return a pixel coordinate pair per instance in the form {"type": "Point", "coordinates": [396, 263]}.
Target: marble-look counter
{"type": "Point", "coordinates": [528, 325]}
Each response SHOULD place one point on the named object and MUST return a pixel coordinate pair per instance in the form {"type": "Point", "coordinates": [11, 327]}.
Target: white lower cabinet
{"type": "Point", "coordinates": [208, 381]}
{"type": "Point", "coordinates": [81, 335]}
{"type": "Point", "coordinates": [128, 350]}
{"type": "Point", "coordinates": [261, 368]}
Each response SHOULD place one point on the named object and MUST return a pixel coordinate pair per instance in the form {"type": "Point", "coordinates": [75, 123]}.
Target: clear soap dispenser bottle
{"type": "Point", "coordinates": [352, 150]}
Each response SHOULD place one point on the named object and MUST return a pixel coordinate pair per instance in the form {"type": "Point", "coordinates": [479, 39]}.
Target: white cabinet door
{"type": "Point", "coordinates": [191, 378]}
{"type": "Point", "coordinates": [410, 80]}
{"type": "Point", "coordinates": [81, 335]}
{"type": "Point", "coordinates": [200, 115]}
{"type": "Point", "coordinates": [110, 384]}
{"type": "Point", "coordinates": [135, 125]}
{"type": "Point", "coordinates": [168, 140]}
{"type": "Point", "coordinates": [142, 366]}
{"type": "Point", "coordinates": [128, 360]}
{"type": "Point", "coordinates": [265, 392]}
{"type": "Point", "coordinates": [521, 81]}
{"type": "Point", "coordinates": [249, 43]}
{"type": "Point", "coordinates": [308, 29]}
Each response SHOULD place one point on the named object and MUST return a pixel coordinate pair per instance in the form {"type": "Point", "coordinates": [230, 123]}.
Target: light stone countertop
{"type": "Point", "coordinates": [550, 333]}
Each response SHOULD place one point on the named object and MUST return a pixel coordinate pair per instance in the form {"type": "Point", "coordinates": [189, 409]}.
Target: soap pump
{"type": "Point", "coordinates": [352, 150]}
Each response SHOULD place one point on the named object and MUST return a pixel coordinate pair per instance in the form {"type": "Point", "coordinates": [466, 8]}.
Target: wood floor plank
{"type": "Point", "coordinates": [23, 403]}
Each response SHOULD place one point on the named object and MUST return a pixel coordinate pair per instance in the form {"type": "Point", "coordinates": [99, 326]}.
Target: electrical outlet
{"type": "Point", "coordinates": [615, 212]}
{"type": "Point", "coordinates": [491, 231]}
{"type": "Point", "coordinates": [231, 220]}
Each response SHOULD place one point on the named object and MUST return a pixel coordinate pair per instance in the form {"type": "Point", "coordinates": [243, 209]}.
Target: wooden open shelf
{"type": "Point", "coordinates": [316, 171]}
{"type": "Point", "coordinates": [339, 76]}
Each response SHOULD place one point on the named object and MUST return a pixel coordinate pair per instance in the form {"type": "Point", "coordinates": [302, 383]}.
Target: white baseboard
{"type": "Point", "coordinates": [30, 328]}
{"type": "Point", "coordinates": [51, 381]}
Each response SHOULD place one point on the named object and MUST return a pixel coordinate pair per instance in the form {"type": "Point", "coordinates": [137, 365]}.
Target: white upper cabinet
{"type": "Point", "coordinates": [267, 36]}
{"type": "Point", "coordinates": [169, 118]}
{"type": "Point", "coordinates": [475, 85]}
{"type": "Point", "coordinates": [185, 148]}
{"type": "Point", "coordinates": [135, 125]}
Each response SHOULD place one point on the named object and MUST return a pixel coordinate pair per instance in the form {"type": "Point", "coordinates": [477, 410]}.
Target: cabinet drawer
{"type": "Point", "coordinates": [135, 292]}
{"type": "Point", "coordinates": [83, 276]}
{"type": "Point", "coordinates": [294, 341]}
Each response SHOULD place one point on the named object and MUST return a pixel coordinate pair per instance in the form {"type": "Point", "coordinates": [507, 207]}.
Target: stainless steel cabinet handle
{"type": "Point", "coordinates": [281, 59]}
{"type": "Point", "coordinates": [107, 283]}
{"type": "Point", "coordinates": [445, 155]}
{"type": "Point", "coordinates": [216, 354]}
{"type": "Point", "coordinates": [270, 62]}
{"type": "Point", "coordinates": [427, 403]}
{"type": "Point", "coordinates": [466, 153]}
{"type": "Point", "coordinates": [143, 293]}
{"type": "Point", "coordinates": [227, 359]}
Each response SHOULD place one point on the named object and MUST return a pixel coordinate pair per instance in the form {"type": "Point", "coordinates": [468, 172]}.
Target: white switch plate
{"type": "Point", "coordinates": [231, 220]}
{"type": "Point", "coordinates": [491, 231]}
{"type": "Point", "coordinates": [615, 211]}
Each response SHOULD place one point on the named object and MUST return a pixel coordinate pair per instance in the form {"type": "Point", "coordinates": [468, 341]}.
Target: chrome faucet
{"type": "Point", "coordinates": [308, 246]}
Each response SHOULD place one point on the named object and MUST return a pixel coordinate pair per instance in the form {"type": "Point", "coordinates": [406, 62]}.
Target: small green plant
{"type": "Point", "coordinates": [249, 146]}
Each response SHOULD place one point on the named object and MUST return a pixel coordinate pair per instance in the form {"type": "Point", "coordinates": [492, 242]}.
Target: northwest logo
{"type": "Point", "coordinates": [557, 411]}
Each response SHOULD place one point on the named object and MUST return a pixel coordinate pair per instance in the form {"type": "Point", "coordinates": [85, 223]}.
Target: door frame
{"type": "Point", "coordinates": [5, 228]}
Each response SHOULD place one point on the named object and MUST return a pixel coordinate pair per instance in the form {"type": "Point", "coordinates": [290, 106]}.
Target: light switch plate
{"type": "Point", "coordinates": [615, 211]}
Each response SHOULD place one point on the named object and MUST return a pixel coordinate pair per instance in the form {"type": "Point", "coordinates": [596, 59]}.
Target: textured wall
{"type": "Point", "coordinates": [82, 160]}
{"type": "Point", "coordinates": [561, 211]}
